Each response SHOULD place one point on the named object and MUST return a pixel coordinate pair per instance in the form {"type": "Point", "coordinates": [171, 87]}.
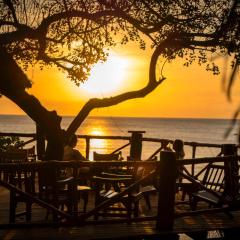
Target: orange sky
{"type": "Point", "coordinates": [187, 92]}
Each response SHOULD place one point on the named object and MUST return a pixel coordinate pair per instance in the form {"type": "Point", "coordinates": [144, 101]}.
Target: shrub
{"type": "Point", "coordinates": [8, 142]}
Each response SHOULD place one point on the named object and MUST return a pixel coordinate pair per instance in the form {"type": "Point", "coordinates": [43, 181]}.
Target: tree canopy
{"type": "Point", "coordinates": [73, 35]}
{"type": "Point", "coordinates": [192, 30]}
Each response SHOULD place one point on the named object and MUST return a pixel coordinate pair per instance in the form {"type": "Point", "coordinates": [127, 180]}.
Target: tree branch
{"type": "Point", "coordinates": [152, 84]}
{"type": "Point", "coordinates": [7, 23]}
{"type": "Point", "coordinates": [22, 32]}
{"type": "Point", "coordinates": [11, 8]}
{"type": "Point", "coordinates": [71, 14]}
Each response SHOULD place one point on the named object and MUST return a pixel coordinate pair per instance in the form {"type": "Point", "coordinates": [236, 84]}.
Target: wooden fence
{"type": "Point", "coordinates": [163, 170]}
{"type": "Point", "coordinates": [134, 141]}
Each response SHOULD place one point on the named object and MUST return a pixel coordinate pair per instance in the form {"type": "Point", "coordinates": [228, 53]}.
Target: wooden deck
{"type": "Point", "coordinates": [139, 230]}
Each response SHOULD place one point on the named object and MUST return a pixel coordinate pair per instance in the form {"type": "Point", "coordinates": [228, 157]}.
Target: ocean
{"type": "Point", "coordinates": [189, 130]}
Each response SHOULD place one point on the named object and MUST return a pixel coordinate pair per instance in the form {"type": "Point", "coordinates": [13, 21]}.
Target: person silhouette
{"type": "Point", "coordinates": [178, 147]}
{"type": "Point", "coordinates": [70, 153]}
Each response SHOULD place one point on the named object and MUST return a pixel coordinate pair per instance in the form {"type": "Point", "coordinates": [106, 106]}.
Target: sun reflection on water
{"type": "Point", "coordinates": [97, 145]}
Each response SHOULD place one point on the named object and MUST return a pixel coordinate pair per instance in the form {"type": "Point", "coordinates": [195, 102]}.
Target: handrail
{"type": "Point", "coordinates": [62, 164]}
{"type": "Point", "coordinates": [72, 164]}
{"type": "Point", "coordinates": [120, 148]}
{"type": "Point", "coordinates": [205, 160]}
{"type": "Point", "coordinates": [158, 169]}
{"type": "Point", "coordinates": [26, 143]}
{"type": "Point", "coordinates": [111, 137]}
{"type": "Point", "coordinates": [88, 138]}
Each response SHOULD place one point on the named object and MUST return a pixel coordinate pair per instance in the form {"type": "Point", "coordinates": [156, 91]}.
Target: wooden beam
{"type": "Point", "coordinates": [166, 186]}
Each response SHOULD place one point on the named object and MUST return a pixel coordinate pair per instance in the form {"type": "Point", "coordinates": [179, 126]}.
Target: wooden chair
{"type": "Point", "coordinates": [105, 187]}
{"type": "Point", "coordinates": [24, 180]}
{"type": "Point", "coordinates": [58, 192]}
{"type": "Point", "coordinates": [107, 156]}
{"type": "Point", "coordinates": [213, 190]}
{"type": "Point", "coordinates": [112, 171]}
{"type": "Point", "coordinates": [113, 180]}
{"type": "Point", "coordinates": [83, 176]}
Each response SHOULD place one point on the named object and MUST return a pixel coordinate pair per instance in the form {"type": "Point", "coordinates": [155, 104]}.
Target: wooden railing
{"type": "Point", "coordinates": [164, 170]}
{"type": "Point", "coordinates": [194, 145]}
{"type": "Point", "coordinates": [135, 145]}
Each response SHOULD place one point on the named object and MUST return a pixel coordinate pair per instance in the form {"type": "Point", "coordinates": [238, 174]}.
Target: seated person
{"type": "Point", "coordinates": [70, 153]}
{"type": "Point", "coordinates": [178, 147]}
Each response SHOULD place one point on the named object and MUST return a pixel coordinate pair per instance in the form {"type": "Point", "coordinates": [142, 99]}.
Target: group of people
{"type": "Point", "coordinates": [70, 153]}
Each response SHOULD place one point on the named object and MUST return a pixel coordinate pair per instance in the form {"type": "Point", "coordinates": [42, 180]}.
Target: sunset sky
{"type": "Point", "coordinates": [187, 92]}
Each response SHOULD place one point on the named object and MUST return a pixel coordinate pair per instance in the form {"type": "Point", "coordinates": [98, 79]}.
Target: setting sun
{"type": "Point", "coordinates": [106, 77]}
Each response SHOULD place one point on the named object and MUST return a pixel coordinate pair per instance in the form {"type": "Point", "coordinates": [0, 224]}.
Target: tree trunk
{"type": "Point", "coordinates": [13, 84]}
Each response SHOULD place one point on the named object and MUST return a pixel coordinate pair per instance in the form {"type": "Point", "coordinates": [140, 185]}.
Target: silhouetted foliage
{"type": "Point", "coordinates": [8, 142]}
{"type": "Point", "coordinates": [73, 35]}
{"type": "Point", "coordinates": [199, 30]}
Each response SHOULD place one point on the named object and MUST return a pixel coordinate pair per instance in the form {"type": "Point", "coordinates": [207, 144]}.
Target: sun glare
{"type": "Point", "coordinates": [97, 145]}
{"type": "Point", "coordinates": [96, 131]}
{"type": "Point", "coordinates": [107, 77]}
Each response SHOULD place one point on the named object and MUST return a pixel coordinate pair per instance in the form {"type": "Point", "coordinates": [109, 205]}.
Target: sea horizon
{"type": "Point", "coordinates": [141, 117]}
{"type": "Point", "coordinates": [201, 130]}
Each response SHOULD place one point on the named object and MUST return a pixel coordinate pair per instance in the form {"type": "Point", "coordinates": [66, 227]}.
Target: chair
{"type": "Point", "coordinates": [213, 190]}
{"type": "Point", "coordinates": [24, 180]}
{"type": "Point", "coordinates": [108, 171]}
{"type": "Point", "coordinates": [56, 191]}
{"type": "Point", "coordinates": [84, 174]}
{"type": "Point", "coordinates": [79, 178]}
{"type": "Point", "coordinates": [107, 156]}
{"type": "Point", "coordinates": [109, 185]}
{"type": "Point", "coordinates": [113, 180]}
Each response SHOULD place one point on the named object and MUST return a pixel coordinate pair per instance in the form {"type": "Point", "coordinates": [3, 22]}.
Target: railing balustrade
{"type": "Point", "coordinates": [160, 169]}
{"type": "Point", "coordinates": [88, 138]}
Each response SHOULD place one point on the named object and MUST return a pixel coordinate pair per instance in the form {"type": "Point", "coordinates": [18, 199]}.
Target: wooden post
{"type": "Point", "coordinates": [40, 139]}
{"type": "Point", "coordinates": [166, 186]}
{"type": "Point", "coordinates": [87, 147]}
{"type": "Point", "coordinates": [231, 169]}
{"type": "Point", "coordinates": [136, 145]}
{"type": "Point", "coordinates": [194, 148]}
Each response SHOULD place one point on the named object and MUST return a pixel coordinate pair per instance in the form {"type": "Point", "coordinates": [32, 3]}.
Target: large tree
{"type": "Point", "coordinates": [75, 34]}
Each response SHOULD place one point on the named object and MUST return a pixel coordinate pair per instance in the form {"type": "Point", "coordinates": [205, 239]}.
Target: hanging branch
{"type": "Point", "coordinates": [93, 103]}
